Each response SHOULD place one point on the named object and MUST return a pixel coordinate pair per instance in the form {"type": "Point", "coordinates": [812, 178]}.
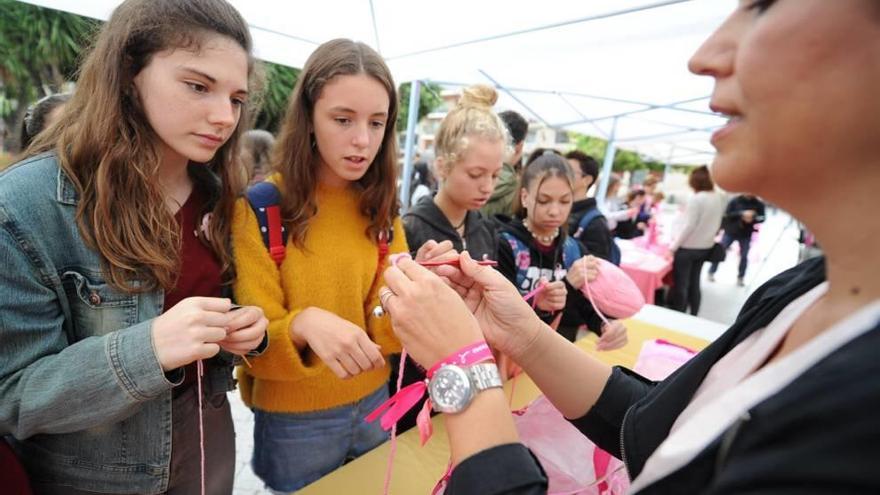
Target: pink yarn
{"type": "Point", "coordinates": [201, 370]}
{"type": "Point", "coordinates": [390, 467]}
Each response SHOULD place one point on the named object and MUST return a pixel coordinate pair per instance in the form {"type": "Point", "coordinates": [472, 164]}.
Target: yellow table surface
{"type": "Point", "coordinates": [417, 469]}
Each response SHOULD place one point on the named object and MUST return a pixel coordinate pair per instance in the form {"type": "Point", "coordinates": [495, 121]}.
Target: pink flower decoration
{"type": "Point", "coordinates": [523, 260]}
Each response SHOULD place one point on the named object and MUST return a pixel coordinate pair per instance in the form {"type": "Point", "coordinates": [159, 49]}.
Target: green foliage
{"type": "Point", "coordinates": [624, 160]}
{"type": "Point", "coordinates": [40, 49]}
{"type": "Point", "coordinates": [277, 88]}
{"type": "Point", "coordinates": [429, 100]}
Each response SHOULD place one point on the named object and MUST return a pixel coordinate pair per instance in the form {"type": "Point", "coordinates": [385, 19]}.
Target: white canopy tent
{"type": "Point", "coordinates": [612, 68]}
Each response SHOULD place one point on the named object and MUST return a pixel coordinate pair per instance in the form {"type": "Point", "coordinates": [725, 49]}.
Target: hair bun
{"type": "Point", "coordinates": [478, 96]}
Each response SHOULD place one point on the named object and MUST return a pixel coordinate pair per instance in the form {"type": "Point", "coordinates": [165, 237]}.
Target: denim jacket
{"type": "Point", "coordinates": [81, 389]}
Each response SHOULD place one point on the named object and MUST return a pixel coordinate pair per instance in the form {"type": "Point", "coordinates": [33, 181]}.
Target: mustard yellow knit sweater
{"type": "Point", "coordinates": [334, 272]}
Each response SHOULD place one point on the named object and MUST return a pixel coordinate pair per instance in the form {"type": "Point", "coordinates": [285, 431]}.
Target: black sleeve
{"type": "Point", "coordinates": [761, 212]}
{"type": "Point", "coordinates": [603, 421]}
{"type": "Point", "coordinates": [597, 238]}
{"type": "Point", "coordinates": [509, 469]}
{"type": "Point", "coordinates": [411, 230]}
{"type": "Point", "coordinates": [578, 310]}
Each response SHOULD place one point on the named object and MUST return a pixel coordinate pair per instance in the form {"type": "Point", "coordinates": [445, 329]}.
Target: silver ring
{"type": "Point", "coordinates": [384, 295]}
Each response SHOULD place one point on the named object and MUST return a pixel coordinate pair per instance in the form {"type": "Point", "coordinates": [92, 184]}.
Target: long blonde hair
{"type": "Point", "coordinates": [105, 144]}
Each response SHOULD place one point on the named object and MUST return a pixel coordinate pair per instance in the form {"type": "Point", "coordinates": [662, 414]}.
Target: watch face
{"type": "Point", "coordinates": [451, 389]}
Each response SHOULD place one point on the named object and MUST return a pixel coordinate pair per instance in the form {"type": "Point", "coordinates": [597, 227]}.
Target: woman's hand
{"type": "Point", "coordinates": [552, 297]}
{"type": "Point", "coordinates": [438, 251]}
{"type": "Point", "coordinates": [575, 275]}
{"type": "Point", "coordinates": [247, 327]}
{"type": "Point", "coordinates": [613, 336]}
{"type": "Point", "coordinates": [191, 330]}
{"type": "Point", "coordinates": [428, 317]}
{"type": "Point", "coordinates": [343, 346]}
{"type": "Point", "coordinates": [508, 322]}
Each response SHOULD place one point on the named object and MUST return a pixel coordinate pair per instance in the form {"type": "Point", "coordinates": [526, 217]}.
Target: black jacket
{"type": "Point", "coordinates": [595, 236]}
{"type": "Point", "coordinates": [820, 434]}
{"type": "Point", "coordinates": [425, 222]}
{"type": "Point", "coordinates": [578, 309]}
{"type": "Point", "coordinates": [733, 223]}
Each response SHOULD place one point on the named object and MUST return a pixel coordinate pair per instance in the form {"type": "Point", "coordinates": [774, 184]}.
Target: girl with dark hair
{"type": "Point", "coordinates": [116, 255]}
{"type": "Point", "coordinates": [326, 368]}
{"type": "Point", "coordinates": [535, 250]}
{"type": "Point", "coordinates": [40, 115]}
{"type": "Point", "coordinates": [691, 247]}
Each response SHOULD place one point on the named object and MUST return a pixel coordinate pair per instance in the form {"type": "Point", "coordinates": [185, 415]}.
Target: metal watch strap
{"type": "Point", "coordinates": [485, 376]}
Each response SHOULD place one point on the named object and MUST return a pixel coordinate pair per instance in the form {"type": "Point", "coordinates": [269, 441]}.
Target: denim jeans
{"type": "Point", "coordinates": [292, 450]}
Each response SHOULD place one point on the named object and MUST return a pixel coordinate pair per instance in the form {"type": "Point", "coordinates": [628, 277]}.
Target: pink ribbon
{"type": "Point", "coordinates": [394, 408]}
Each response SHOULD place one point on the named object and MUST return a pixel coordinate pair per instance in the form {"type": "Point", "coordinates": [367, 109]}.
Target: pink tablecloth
{"type": "Point", "coordinates": [646, 267]}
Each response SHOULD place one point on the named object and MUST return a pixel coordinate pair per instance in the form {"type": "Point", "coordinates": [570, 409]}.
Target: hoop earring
{"type": "Point", "coordinates": [314, 142]}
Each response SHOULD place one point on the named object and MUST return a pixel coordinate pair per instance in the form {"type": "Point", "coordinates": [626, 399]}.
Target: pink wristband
{"type": "Point", "coordinates": [477, 352]}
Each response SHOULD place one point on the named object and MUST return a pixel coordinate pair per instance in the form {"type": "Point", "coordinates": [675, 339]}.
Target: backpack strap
{"type": "Point", "coordinates": [520, 250]}
{"type": "Point", "coordinates": [571, 252]}
{"type": "Point", "coordinates": [265, 200]}
{"type": "Point", "coordinates": [383, 241]}
{"type": "Point", "coordinates": [587, 219]}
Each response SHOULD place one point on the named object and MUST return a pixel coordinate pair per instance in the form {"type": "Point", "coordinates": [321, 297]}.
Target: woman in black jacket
{"type": "Point", "coordinates": [786, 401]}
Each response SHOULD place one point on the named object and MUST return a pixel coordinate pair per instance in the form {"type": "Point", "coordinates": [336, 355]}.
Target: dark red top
{"type": "Point", "coordinates": [200, 270]}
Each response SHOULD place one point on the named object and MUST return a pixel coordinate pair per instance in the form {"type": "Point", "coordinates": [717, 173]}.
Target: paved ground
{"type": "Point", "coordinates": [775, 251]}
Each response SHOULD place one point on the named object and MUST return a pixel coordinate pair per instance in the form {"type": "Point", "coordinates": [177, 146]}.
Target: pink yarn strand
{"type": "Point", "coordinates": [590, 295]}
{"type": "Point", "coordinates": [201, 370]}
{"type": "Point", "coordinates": [390, 467]}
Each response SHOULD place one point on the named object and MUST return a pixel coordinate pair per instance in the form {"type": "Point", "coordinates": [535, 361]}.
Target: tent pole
{"type": "Point", "coordinates": [668, 167]}
{"type": "Point", "coordinates": [610, 150]}
{"type": "Point", "coordinates": [412, 119]}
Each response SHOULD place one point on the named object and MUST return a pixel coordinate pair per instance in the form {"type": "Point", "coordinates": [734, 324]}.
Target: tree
{"type": "Point", "coordinates": [277, 88]}
{"type": "Point", "coordinates": [429, 100]}
{"type": "Point", "coordinates": [624, 160]}
{"type": "Point", "coordinates": [40, 49]}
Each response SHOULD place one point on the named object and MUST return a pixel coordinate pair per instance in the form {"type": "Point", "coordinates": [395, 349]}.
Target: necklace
{"type": "Point", "coordinates": [543, 239]}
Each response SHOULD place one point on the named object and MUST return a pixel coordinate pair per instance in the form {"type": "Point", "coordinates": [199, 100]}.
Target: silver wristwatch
{"type": "Point", "coordinates": [452, 388]}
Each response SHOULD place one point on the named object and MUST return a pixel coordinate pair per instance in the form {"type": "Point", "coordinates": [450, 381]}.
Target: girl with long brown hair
{"type": "Point", "coordinates": [115, 235]}
{"type": "Point", "coordinates": [336, 174]}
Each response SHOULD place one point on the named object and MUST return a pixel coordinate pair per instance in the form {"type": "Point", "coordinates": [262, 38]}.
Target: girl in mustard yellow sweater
{"type": "Point", "coordinates": [325, 367]}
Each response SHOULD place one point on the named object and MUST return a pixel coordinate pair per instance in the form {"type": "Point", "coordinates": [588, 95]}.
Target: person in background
{"type": "Point", "coordinates": [763, 408]}
{"type": "Point", "coordinates": [614, 207]}
{"type": "Point", "coordinates": [504, 195]}
{"type": "Point", "coordinates": [423, 182]}
{"type": "Point", "coordinates": [691, 247]}
{"type": "Point", "coordinates": [742, 214]}
{"type": "Point", "coordinates": [41, 114]}
{"type": "Point", "coordinates": [535, 250]}
{"type": "Point", "coordinates": [470, 148]}
{"type": "Point", "coordinates": [646, 211]}
{"type": "Point", "coordinates": [595, 234]}
{"type": "Point", "coordinates": [631, 227]}
{"type": "Point", "coordinates": [256, 154]}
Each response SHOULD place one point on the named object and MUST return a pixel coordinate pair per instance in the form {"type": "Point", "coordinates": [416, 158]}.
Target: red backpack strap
{"type": "Point", "coordinates": [265, 200]}
{"type": "Point", "coordinates": [383, 240]}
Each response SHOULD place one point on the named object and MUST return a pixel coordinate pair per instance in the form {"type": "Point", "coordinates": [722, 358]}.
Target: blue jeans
{"type": "Point", "coordinates": [292, 450]}
{"type": "Point", "coordinates": [744, 244]}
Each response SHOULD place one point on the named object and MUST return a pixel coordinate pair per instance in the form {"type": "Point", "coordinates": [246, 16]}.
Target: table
{"type": "Point", "coordinates": [645, 267]}
{"type": "Point", "coordinates": [417, 469]}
